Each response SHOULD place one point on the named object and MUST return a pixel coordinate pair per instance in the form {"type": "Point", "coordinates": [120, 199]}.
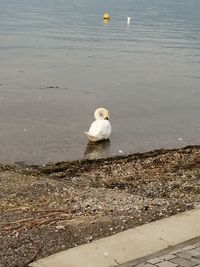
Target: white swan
{"type": "Point", "coordinates": [100, 129]}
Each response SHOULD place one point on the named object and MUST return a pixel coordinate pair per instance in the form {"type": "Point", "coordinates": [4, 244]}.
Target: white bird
{"type": "Point", "coordinates": [100, 129]}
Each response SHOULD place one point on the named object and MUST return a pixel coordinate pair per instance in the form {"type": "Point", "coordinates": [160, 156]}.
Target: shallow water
{"type": "Point", "coordinates": [59, 61]}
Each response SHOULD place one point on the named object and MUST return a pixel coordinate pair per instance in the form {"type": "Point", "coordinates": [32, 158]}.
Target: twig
{"type": "Point", "coordinates": [37, 221]}
{"type": "Point", "coordinates": [52, 214]}
{"type": "Point", "coordinates": [17, 209]}
{"type": "Point", "coordinates": [34, 210]}
{"type": "Point", "coordinates": [32, 219]}
{"type": "Point", "coordinates": [53, 210]}
{"type": "Point", "coordinates": [19, 221]}
{"type": "Point", "coordinates": [54, 220]}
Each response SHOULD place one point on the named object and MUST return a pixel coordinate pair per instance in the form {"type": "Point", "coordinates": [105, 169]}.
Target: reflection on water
{"type": "Point", "coordinates": [95, 150]}
{"type": "Point", "coordinates": [106, 22]}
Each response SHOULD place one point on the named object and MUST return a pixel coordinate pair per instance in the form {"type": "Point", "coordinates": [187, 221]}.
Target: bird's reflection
{"type": "Point", "coordinates": [95, 150]}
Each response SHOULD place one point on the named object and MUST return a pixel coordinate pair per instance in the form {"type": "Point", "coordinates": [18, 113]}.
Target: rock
{"type": "Point", "coordinates": [60, 227]}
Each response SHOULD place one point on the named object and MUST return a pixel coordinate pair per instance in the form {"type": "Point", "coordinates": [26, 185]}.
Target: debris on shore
{"type": "Point", "coordinates": [50, 208]}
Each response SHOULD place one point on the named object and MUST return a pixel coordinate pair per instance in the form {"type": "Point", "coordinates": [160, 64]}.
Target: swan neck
{"type": "Point", "coordinates": [98, 115]}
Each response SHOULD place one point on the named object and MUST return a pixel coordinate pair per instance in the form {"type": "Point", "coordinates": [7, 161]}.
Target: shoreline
{"type": "Point", "coordinates": [49, 208]}
{"type": "Point", "coordinates": [82, 161]}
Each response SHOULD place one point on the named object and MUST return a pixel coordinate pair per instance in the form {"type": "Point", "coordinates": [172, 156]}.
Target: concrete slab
{"type": "Point", "coordinates": [175, 229]}
{"type": "Point", "coordinates": [129, 245]}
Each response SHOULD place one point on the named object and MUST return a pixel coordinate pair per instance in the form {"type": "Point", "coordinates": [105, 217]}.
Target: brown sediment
{"type": "Point", "coordinates": [46, 209]}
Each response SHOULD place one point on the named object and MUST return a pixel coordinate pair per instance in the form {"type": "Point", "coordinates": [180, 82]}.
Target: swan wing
{"type": "Point", "coordinates": [99, 130]}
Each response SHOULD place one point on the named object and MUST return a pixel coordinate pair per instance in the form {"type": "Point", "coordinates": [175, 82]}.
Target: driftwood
{"type": "Point", "coordinates": [59, 214]}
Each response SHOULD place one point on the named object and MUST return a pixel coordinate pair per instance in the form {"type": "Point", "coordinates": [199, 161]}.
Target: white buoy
{"type": "Point", "coordinates": [128, 20]}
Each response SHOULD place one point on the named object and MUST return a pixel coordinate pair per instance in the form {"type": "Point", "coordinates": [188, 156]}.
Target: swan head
{"type": "Point", "coordinates": [101, 114]}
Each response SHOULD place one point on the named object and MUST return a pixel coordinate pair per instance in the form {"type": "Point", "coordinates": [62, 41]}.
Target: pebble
{"type": "Point", "coordinates": [89, 238]}
{"type": "Point", "coordinates": [60, 227]}
{"type": "Point", "coordinates": [105, 254]}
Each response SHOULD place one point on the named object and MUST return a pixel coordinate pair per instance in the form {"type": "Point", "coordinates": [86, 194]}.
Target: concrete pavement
{"type": "Point", "coordinates": [130, 244]}
{"type": "Point", "coordinates": [186, 254]}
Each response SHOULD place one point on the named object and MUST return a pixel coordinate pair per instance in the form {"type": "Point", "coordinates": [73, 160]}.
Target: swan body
{"type": "Point", "coordinates": [100, 129]}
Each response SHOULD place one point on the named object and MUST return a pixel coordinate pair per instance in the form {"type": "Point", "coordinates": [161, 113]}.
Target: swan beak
{"type": "Point", "coordinates": [106, 118]}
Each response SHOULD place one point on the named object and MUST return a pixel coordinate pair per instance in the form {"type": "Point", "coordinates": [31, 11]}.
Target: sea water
{"type": "Point", "coordinates": [59, 61]}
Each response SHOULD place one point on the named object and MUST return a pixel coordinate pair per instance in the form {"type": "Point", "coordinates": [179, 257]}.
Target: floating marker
{"type": "Point", "coordinates": [106, 16]}
{"type": "Point", "coordinates": [128, 20]}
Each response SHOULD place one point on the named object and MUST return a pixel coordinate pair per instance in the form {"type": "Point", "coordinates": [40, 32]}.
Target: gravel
{"type": "Point", "coordinates": [49, 208]}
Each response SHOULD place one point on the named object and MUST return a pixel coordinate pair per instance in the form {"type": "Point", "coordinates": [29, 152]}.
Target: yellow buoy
{"type": "Point", "coordinates": [106, 16]}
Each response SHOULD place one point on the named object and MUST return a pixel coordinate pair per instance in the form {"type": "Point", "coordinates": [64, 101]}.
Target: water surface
{"type": "Point", "coordinates": [59, 61]}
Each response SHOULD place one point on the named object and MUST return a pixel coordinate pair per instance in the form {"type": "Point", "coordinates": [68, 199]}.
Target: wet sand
{"type": "Point", "coordinates": [49, 208]}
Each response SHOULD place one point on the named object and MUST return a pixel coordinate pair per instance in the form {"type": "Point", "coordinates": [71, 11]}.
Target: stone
{"type": "Point", "coordinates": [167, 257]}
{"type": "Point", "coordinates": [166, 264]}
{"type": "Point", "coordinates": [155, 260]}
{"type": "Point", "coordinates": [183, 262]}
